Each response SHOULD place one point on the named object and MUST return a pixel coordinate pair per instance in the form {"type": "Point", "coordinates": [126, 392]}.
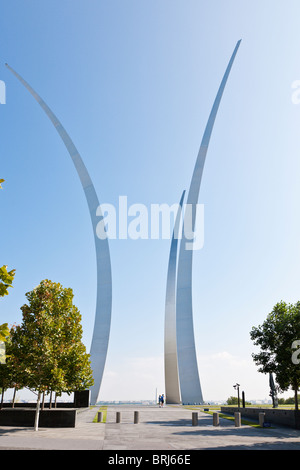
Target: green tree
{"type": "Point", "coordinates": [275, 338]}
{"type": "Point", "coordinates": [46, 348]}
{"type": "Point", "coordinates": [232, 400]}
{"type": "Point", "coordinates": [7, 372]}
{"type": "Point", "coordinates": [6, 279]}
{"type": "Point", "coordinates": [4, 333]}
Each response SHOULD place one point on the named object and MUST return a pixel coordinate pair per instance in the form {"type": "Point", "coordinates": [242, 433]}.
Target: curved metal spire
{"type": "Point", "coordinates": [171, 366]}
{"type": "Point", "coordinates": [102, 323]}
{"type": "Point", "coordinates": [187, 361]}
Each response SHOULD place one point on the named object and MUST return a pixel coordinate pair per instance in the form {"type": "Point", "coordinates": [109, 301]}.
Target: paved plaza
{"type": "Point", "coordinates": [168, 428]}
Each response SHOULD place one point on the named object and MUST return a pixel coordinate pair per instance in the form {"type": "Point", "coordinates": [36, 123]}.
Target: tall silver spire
{"type": "Point", "coordinates": [102, 323]}
{"type": "Point", "coordinates": [187, 361]}
{"type": "Point", "coordinates": [172, 387]}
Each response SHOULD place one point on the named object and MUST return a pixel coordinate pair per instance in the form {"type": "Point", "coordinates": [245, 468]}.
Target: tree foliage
{"type": "Point", "coordinates": [7, 371]}
{"type": "Point", "coordinates": [46, 351]}
{"type": "Point", "coordinates": [47, 346]}
{"type": "Point", "coordinates": [6, 280]}
{"type": "Point", "coordinates": [234, 401]}
{"type": "Point", "coordinates": [275, 338]}
{"type": "Point", "coordinates": [4, 332]}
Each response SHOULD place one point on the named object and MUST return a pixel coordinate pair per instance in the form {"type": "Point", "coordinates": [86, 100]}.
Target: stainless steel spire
{"type": "Point", "coordinates": [172, 387]}
{"type": "Point", "coordinates": [187, 361]}
{"type": "Point", "coordinates": [102, 323]}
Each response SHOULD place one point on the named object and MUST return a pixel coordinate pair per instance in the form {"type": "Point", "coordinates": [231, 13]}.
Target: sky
{"type": "Point", "coordinates": [133, 82]}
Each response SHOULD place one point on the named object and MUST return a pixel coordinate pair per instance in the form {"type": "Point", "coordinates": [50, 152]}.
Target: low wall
{"type": "Point", "coordinates": [290, 418]}
{"type": "Point", "coordinates": [54, 418]}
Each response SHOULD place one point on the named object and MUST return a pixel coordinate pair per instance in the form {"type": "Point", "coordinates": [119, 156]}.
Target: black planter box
{"type": "Point", "coordinates": [54, 418]}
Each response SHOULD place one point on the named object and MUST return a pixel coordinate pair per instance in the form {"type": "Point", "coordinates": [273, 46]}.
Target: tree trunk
{"type": "Point", "coordinates": [2, 399]}
{"type": "Point", "coordinates": [14, 397]}
{"type": "Point", "coordinates": [43, 401]}
{"type": "Point", "coordinates": [296, 398]}
{"type": "Point", "coordinates": [37, 412]}
{"type": "Point", "coordinates": [50, 401]}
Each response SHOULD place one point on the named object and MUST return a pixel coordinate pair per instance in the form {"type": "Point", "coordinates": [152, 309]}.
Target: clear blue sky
{"type": "Point", "coordinates": [133, 82]}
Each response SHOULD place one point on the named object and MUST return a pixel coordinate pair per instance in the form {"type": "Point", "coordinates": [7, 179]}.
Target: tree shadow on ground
{"type": "Point", "coordinates": [259, 446]}
{"type": "Point", "coordinates": [11, 430]}
{"type": "Point", "coordinates": [226, 429]}
{"type": "Point", "coordinates": [182, 422]}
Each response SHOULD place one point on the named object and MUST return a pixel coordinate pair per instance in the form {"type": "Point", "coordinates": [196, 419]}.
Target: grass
{"type": "Point", "coordinates": [231, 418]}
{"type": "Point", "coordinates": [103, 409]}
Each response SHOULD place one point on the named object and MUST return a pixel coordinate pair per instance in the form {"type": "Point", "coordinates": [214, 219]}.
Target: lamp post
{"type": "Point", "coordinates": [237, 387]}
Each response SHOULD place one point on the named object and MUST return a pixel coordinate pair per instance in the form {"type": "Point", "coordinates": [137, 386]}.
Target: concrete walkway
{"type": "Point", "coordinates": [169, 428]}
